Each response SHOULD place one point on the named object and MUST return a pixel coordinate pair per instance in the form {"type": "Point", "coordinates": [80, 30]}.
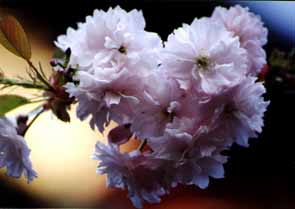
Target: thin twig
{"type": "Point", "coordinates": [34, 118]}
{"type": "Point", "coordinates": [42, 71]}
{"type": "Point", "coordinates": [39, 100]}
{"type": "Point", "coordinates": [25, 84]}
{"type": "Point", "coordinates": [39, 75]}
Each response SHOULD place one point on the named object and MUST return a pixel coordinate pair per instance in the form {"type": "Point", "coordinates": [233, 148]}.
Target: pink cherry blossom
{"type": "Point", "coordinates": [115, 37]}
{"type": "Point", "coordinates": [193, 163]}
{"type": "Point", "coordinates": [140, 174]}
{"type": "Point", "coordinates": [158, 107]}
{"type": "Point", "coordinates": [238, 112]}
{"type": "Point", "coordinates": [250, 30]}
{"type": "Point", "coordinates": [204, 56]}
{"type": "Point", "coordinates": [113, 54]}
{"type": "Point", "coordinates": [104, 95]}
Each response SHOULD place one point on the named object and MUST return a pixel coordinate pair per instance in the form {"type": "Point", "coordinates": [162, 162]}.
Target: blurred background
{"type": "Point", "coordinates": [262, 176]}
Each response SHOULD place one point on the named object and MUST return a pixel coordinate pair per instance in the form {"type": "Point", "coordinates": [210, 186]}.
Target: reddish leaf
{"type": "Point", "coordinates": [14, 38]}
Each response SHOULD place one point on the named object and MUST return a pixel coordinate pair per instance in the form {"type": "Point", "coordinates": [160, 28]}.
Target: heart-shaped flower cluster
{"type": "Point", "coordinates": [187, 100]}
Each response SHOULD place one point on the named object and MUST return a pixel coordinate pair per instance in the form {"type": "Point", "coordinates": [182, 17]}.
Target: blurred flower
{"type": "Point", "coordinates": [14, 152]}
{"type": "Point", "coordinates": [279, 78]}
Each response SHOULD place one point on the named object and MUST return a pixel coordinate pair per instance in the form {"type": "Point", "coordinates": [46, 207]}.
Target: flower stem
{"type": "Point", "coordinates": [24, 84]}
{"type": "Point", "coordinates": [35, 114]}
{"type": "Point", "coordinates": [39, 100]}
{"type": "Point", "coordinates": [41, 78]}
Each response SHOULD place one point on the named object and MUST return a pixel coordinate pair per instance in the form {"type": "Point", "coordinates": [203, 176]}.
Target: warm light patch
{"type": "Point", "coordinates": [61, 152]}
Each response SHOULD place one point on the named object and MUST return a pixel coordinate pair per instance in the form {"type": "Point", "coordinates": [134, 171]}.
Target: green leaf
{"type": "Point", "coordinates": [62, 56]}
{"type": "Point", "coordinates": [58, 54]}
{"type": "Point", "coordinates": [10, 102]}
{"type": "Point", "coordinates": [14, 38]}
{"type": "Point", "coordinates": [68, 56]}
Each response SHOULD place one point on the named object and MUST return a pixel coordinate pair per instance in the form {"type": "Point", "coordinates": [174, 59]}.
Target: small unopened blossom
{"type": "Point", "coordinates": [14, 151]}
{"type": "Point", "coordinates": [120, 134]}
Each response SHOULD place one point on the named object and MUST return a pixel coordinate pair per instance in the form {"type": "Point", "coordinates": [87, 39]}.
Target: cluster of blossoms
{"type": "Point", "coordinates": [186, 100]}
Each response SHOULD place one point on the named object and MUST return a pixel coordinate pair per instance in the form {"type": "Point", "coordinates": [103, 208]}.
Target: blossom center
{"type": "Point", "coordinates": [202, 62]}
{"type": "Point", "coordinates": [122, 50]}
{"type": "Point", "coordinates": [169, 115]}
{"type": "Point", "coordinates": [229, 109]}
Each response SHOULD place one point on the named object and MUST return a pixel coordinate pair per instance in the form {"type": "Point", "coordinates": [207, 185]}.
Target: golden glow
{"type": "Point", "coordinates": [60, 151]}
{"type": "Point", "coordinates": [61, 154]}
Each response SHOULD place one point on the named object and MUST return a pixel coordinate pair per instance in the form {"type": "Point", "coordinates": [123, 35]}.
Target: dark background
{"type": "Point", "coordinates": [262, 174]}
